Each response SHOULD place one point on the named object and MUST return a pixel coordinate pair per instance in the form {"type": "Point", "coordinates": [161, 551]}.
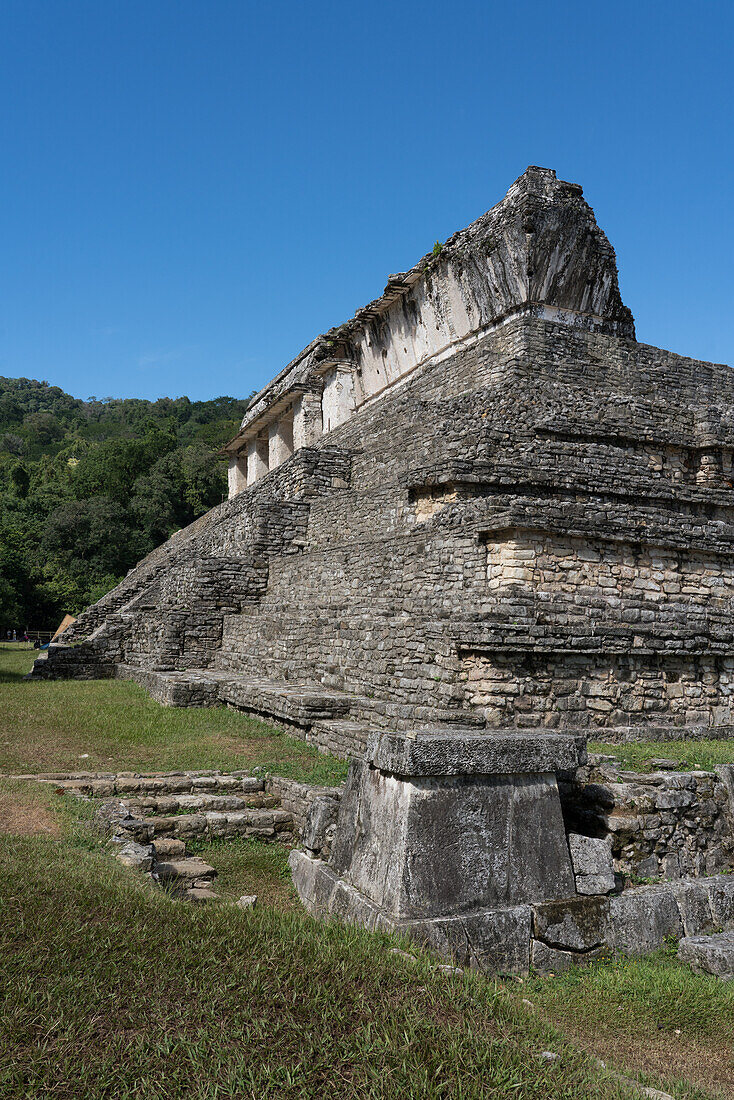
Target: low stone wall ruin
{"type": "Point", "coordinates": [665, 824]}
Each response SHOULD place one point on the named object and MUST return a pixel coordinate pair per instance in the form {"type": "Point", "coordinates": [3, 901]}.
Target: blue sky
{"type": "Point", "coordinates": [192, 191]}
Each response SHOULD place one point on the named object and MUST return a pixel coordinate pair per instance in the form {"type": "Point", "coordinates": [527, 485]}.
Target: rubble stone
{"type": "Point", "coordinates": [592, 864]}
{"type": "Point", "coordinates": [709, 954]}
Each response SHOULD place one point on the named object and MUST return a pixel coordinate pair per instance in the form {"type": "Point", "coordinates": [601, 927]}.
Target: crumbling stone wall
{"type": "Point", "coordinates": [664, 824]}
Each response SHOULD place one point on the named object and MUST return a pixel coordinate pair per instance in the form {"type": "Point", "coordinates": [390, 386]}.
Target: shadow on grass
{"type": "Point", "coordinates": [11, 676]}
{"type": "Point", "coordinates": [15, 662]}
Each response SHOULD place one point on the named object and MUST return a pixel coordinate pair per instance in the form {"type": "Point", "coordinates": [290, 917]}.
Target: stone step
{"type": "Point", "coordinates": [348, 737]}
{"type": "Point", "coordinates": [126, 784]}
{"type": "Point", "coordinates": [190, 868]}
{"type": "Point", "coordinates": [292, 703]}
{"type": "Point", "coordinates": [200, 803]}
{"type": "Point", "coordinates": [200, 895]}
{"type": "Point", "coordinates": [259, 823]}
{"type": "Point", "coordinates": [295, 704]}
{"type": "Point", "coordinates": [168, 849]}
{"type": "Point", "coordinates": [340, 737]}
{"type": "Point", "coordinates": [402, 716]}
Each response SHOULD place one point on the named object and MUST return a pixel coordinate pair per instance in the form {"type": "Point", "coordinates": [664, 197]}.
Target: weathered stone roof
{"type": "Point", "coordinates": [538, 251]}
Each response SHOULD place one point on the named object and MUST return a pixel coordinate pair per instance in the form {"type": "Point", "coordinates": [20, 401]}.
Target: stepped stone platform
{"type": "Point", "coordinates": [480, 500]}
{"type": "Point", "coordinates": [478, 516]}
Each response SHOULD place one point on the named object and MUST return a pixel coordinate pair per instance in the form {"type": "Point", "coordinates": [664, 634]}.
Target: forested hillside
{"type": "Point", "coordinates": [88, 487]}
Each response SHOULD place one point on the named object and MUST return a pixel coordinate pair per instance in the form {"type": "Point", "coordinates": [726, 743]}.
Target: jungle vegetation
{"type": "Point", "coordinates": [88, 487]}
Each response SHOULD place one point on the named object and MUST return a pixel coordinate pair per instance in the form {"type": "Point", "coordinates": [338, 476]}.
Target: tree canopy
{"type": "Point", "coordinates": [87, 488]}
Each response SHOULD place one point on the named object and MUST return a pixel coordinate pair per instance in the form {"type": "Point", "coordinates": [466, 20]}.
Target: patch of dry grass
{"type": "Point", "coordinates": [650, 1016]}
{"type": "Point", "coordinates": [26, 810]}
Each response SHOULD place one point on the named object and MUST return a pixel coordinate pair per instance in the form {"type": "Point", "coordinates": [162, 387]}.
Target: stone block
{"type": "Point", "coordinates": [314, 881]}
{"type": "Point", "coordinates": [552, 960]}
{"type": "Point", "coordinates": [161, 826]}
{"type": "Point", "coordinates": [429, 847]}
{"type": "Point", "coordinates": [189, 826]}
{"type": "Point", "coordinates": [137, 856]}
{"type": "Point", "coordinates": [101, 788]}
{"type": "Point", "coordinates": [591, 859]}
{"type": "Point", "coordinates": [641, 918]}
{"type": "Point", "coordinates": [495, 941]}
{"type": "Point", "coordinates": [351, 907]}
{"type": "Point", "coordinates": [217, 824]}
{"type": "Point", "coordinates": [168, 848]}
{"type": "Point", "coordinates": [201, 895]}
{"type": "Point", "coordinates": [709, 954]}
{"type": "Point", "coordinates": [573, 924]}
{"type": "Point", "coordinates": [321, 814]}
{"type": "Point", "coordinates": [693, 903]}
{"type": "Point", "coordinates": [249, 784]}
{"type": "Point", "coordinates": [190, 867]}
{"type": "Point", "coordinates": [427, 753]}
{"type": "Point", "coordinates": [720, 890]}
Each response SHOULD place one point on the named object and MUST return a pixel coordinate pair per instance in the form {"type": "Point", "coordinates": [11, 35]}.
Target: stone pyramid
{"type": "Point", "coordinates": [479, 503]}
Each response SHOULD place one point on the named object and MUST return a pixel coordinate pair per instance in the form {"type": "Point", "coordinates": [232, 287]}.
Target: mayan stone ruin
{"type": "Point", "coordinates": [467, 530]}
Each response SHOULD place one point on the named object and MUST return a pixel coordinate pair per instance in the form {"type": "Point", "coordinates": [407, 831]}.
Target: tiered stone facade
{"type": "Point", "coordinates": [468, 528]}
{"type": "Point", "coordinates": [480, 502]}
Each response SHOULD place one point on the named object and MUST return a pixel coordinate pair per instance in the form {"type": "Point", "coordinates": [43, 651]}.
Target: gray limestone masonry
{"type": "Point", "coordinates": [663, 824]}
{"type": "Point", "coordinates": [480, 868]}
{"type": "Point", "coordinates": [471, 527]}
{"type": "Point", "coordinates": [497, 510]}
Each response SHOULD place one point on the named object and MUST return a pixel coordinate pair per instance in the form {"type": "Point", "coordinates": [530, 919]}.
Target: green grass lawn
{"type": "Point", "coordinates": [112, 989]}
{"type": "Point", "coordinates": [691, 755]}
{"type": "Point", "coordinates": [114, 725]}
{"type": "Point", "coordinates": [248, 866]}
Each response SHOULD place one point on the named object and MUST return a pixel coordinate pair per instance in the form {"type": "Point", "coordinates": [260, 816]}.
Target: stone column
{"type": "Point", "coordinates": [280, 441]}
{"type": "Point", "coordinates": [307, 420]}
{"type": "Point", "coordinates": [257, 459]}
{"type": "Point", "coordinates": [338, 402]}
{"type": "Point", "coordinates": [237, 474]}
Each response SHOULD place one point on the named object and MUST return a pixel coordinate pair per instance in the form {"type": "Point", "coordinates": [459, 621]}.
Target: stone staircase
{"type": "Point", "coordinates": [151, 818]}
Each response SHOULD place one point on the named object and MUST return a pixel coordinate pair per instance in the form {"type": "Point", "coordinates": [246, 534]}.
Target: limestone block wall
{"type": "Point", "coordinates": [298, 798]}
{"type": "Point", "coordinates": [640, 575]}
{"type": "Point", "coordinates": [601, 693]}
